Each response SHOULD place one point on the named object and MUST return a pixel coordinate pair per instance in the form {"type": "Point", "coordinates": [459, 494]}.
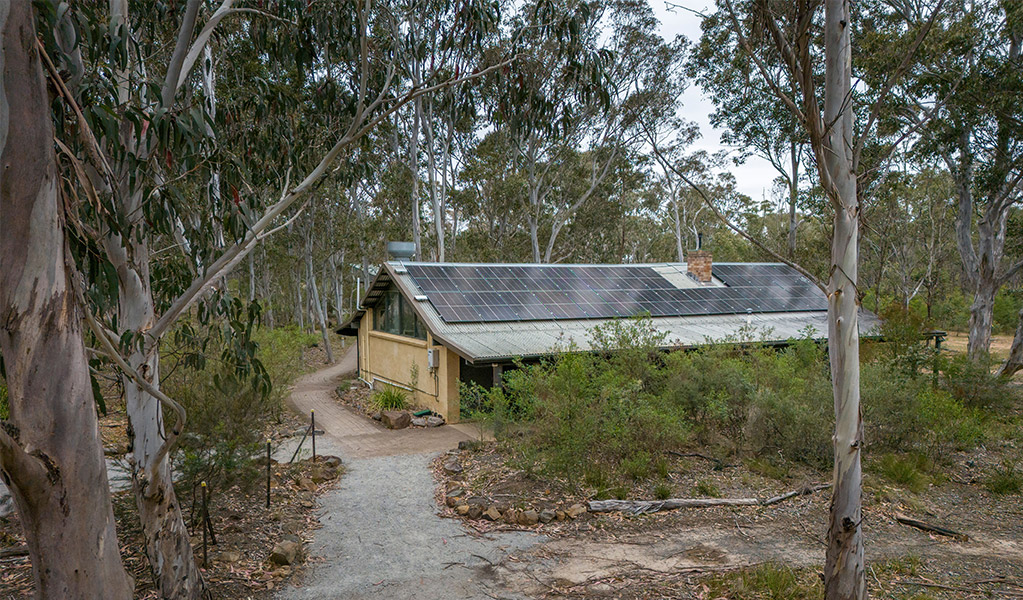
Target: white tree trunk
{"type": "Point", "coordinates": [436, 199]}
{"type": "Point", "coordinates": [51, 456]}
{"type": "Point", "coordinates": [844, 568]}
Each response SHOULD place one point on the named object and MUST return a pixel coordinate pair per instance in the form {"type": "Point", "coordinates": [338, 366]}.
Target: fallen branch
{"type": "Point", "coordinates": [931, 528]}
{"type": "Point", "coordinates": [800, 492]}
{"type": "Point", "coordinates": [642, 507]}
{"type": "Point", "coordinates": [13, 552]}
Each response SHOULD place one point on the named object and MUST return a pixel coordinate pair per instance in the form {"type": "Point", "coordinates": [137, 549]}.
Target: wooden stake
{"type": "Point", "coordinates": [268, 473]}
{"type": "Point", "coordinates": [312, 427]}
{"type": "Point", "coordinates": [204, 557]}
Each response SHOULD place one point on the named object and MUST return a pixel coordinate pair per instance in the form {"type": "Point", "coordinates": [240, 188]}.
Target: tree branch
{"type": "Point", "coordinates": [170, 83]}
{"type": "Point", "coordinates": [706, 200]}
{"type": "Point", "coordinates": [875, 111]}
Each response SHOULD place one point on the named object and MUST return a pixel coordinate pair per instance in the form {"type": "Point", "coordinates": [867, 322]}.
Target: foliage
{"type": "Point", "coordinates": [1005, 479]}
{"type": "Point", "coordinates": [909, 414]}
{"type": "Point", "coordinates": [768, 581]}
{"type": "Point", "coordinates": [4, 410]}
{"type": "Point", "coordinates": [390, 398]}
{"type": "Point", "coordinates": [909, 471]}
{"type": "Point", "coordinates": [228, 408]}
{"type": "Point", "coordinates": [707, 489]}
{"type": "Point", "coordinates": [608, 416]}
{"type": "Point", "coordinates": [973, 384]}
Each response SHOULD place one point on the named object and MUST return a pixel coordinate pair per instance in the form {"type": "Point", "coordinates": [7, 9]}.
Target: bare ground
{"type": "Point", "coordinates": [672, 555]}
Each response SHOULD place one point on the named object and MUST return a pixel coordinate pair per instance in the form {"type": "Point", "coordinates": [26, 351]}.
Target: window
{"type": "Point", "coordinates": [395, 315]}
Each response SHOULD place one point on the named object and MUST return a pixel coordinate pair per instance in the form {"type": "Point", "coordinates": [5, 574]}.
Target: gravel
{"type": "Point", "coordinates": [382, 538]}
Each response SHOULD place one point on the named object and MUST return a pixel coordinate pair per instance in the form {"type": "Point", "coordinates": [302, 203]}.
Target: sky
{"type": "Point", "coordinates": [755, 176]}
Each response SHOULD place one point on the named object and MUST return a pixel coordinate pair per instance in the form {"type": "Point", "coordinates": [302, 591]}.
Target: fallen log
{"type": "Point", "coordinates": [642, 507]}
{"type": "Point", "coordinates": [922, 526]}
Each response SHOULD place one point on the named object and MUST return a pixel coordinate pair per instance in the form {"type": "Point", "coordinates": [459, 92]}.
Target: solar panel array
{"type": "Point", "coordinates": [494, 293]}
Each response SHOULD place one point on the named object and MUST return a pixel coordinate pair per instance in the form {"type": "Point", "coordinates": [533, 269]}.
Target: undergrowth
{"type": "Point", "coordinates": [607, 417]}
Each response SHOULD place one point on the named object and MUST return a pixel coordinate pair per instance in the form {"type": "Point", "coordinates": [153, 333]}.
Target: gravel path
{"type": "Point", "coordinates": [381, 535]}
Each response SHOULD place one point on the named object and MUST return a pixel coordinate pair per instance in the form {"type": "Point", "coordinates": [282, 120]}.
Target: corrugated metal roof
{"type": "Point", "coordinates": [487, 342]}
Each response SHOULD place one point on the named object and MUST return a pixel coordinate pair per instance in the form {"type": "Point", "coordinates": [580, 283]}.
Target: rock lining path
{"type": "Point", "coordinates": [381, 536]}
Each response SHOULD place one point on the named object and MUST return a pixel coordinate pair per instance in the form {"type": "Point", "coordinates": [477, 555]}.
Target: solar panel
{"type": "Point", "coordinates": [495, 293]}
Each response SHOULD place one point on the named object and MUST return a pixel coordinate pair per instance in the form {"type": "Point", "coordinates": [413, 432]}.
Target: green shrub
{"type": "Point", "coordinates": [1005, 316]}
{"type": "Point", "coordinates": [1005, 479]}
{"type": "Point", "coordinates": [662, 491]}
{"type": "Point", "coordinates": [908, 471]}
{"type": "Point", "coordinates": [390, 398]}
{"type": "Point", "coordinates": [904, 346]}
{"type": "Point", "coordinates": [972, 383]}
{"type": "Point", "coordinates": [637, 467]}
{"type": "Point", "coordinates": [903, 414]}
{"type": "Point", "coordinates": [230, 384]}
{"type": "Point", "coordinates": [707, 489]}
{"type": "Point", "coordinates": [610, 414]}
{"type": "Point", "coordinates": [768, 582]}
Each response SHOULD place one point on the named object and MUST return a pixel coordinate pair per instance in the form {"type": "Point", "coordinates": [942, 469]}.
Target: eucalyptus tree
{"type": "Point", "coordinates": [974, 63]}
{"type": "Point", "coordinates": [136, 147]}
{"type": "Point", "coordinates": [748, 111]}
{"type": "Point", "coordinates": [50, 452]}
{"type": "Point", "coordinates": [558, 96]}
{"type": "Point", "coordinates": [787, 42]}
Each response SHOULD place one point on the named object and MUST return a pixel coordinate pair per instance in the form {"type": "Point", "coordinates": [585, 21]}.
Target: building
{"type": "Point", "coordinates": [429, 327]}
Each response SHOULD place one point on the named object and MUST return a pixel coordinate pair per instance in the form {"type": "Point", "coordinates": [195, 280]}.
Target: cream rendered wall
{"type": "Point", "coordinates": [385, 358]}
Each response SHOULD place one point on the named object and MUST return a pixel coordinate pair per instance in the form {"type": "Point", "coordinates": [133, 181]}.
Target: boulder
{"type": "Point", "coordinates": [376, 415]}
{"type": "Point", "coordinates": [575, 511]}
{"type": "Point", "coordinates": [286, 552]}
{"type": "Point", "coordinates": [560, 515]}
{"type": "Point", "coordinates": [334, 462]}
{"type": "Point", "coordinates": [511, 516]}
{"type": "Point", "coordinates": [492, 514]}
{"type": "Point", "coordinates": [321, 473]}
{"type": "Point", "coordinates": [434, 421]}
{"type": "Point", "coordinates": [475, 511]}
{"type": "Point", "coordinates": [547, 515]}
{"type": "Point", "coordinates": [306, 484]}
{"type": "Point", "coordinates": [395, 419]}
{"type": "Point", "coordinates": [462, 509]}
{"type": "Point", "coordinates": [419, 422]}
{"type": "Point", "coordinates": [529, 517]}
{"type": "Point", "coordinates": [452, 467]}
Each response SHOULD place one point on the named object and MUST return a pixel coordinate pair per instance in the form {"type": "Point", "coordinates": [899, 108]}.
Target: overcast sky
{"type": "Point", "coordinates": [754, 177]}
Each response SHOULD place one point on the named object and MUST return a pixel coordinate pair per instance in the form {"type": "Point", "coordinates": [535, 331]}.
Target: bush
{"type": "Point", "coordinates": [229, 396]}
{"type": "Point", "coordinates": [768, 582]}
{"type": "Point", "coordinates": [608, 416]}
{"type": "Point", "coordinates": [390, 398]}
{"type": "Point", "coordinates": [903, 414]}
{"type": "Point", "coordinates": [972, 383]}
{"type": "Point", "coordinates": [908, 471]}
{"type": "Point", "coordinates": [1005, 479]}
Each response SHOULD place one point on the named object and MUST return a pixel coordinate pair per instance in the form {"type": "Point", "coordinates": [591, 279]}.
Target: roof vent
{"type": "Point", "coordinates": [401, 250]}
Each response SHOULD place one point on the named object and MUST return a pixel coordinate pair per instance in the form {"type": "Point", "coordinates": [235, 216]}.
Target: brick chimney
{"type": "Point", "coordinates": [699, 263]}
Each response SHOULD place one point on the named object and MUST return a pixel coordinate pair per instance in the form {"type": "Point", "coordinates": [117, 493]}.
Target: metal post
{"type": "Point", "coordinates": [312, 425]}
{"type": "Point", "coordinates": [204, 562]}
{"type": "Point", "coordinates": [268, 473]}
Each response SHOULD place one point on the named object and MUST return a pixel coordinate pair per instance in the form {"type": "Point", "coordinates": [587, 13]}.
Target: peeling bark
{"type": "Point", "coordinates": [50, 452]}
